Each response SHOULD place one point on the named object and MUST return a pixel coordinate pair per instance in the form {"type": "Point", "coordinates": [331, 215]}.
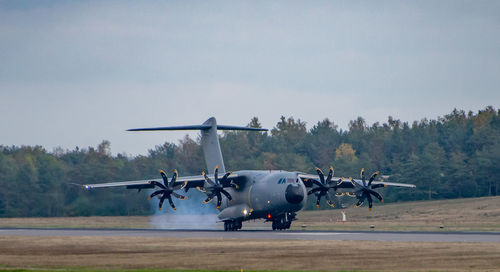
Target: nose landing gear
{"type": "Point", "coordinates": [283, 222]}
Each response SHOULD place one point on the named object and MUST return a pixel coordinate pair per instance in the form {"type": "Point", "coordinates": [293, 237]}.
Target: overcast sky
{"type": "Point", "coordinates": [73, 73]}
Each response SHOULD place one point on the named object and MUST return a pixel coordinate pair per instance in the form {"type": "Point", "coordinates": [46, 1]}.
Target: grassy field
{"type": "Point", "coordinates": [471, 214]}
{"type": "Point", "coordinates": [158, 254]}
{"type": "Point", "coordinates": [230, 254]}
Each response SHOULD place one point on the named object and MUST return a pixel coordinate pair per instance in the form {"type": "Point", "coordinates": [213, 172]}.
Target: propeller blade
{"type": "Point", "coordinates": [171, 202]}
{"type": "Point", "coordinates": [219, 200]}
{"type": "Point", "coordinates": [209, 181]}
{"type": "Point", "coordinates": [174, 178]}
{"type": "Point", "coordinates": [363, 178]}
{"type": "Point", "coordinates": [377, 195]}
{"type": "Point", "coordinates": [370, 202]}
{"type": "Point", "coordinates": [330, 175]}
{"type": "Point", "coordinates": [209, 198]}
{"type": "Point", "coordinates": [224, 192]}
{"type": "Point", "coordinates": [318, 183]}
{"type": "Point", "coordinates": [318, 198]}
{"type": "Point", "coordinates": [223, 180]}
{"type": "Point", "coordinates": [340, 180]}
{"type": "Point", "coordinates": [164, 177]}
{"type": "Point", "coordinates": [216, 175]}
{"type": "Point", "coordinates": [320, 174]}
{"type": "Point", "coordinates": [360, 202]}
{"type": "Point", "coordinates": [329, 201]}
{"type": "Point", "coordinates": [156, 183]}
{"type": "Point", "coordinates": [179, 196]}
{"type": "Point", "coordinates": [350, 194]}
{"type": "Point", "coordinates": [372, 178]}
{"type": "Point", "coordinates": [314, 190]}
{"type": "Point", "coordinates": [161, 201]}
{"type": "Point", "coordinates": [354, 184]}
{"type": "Point", "coordinates": [155, 194]}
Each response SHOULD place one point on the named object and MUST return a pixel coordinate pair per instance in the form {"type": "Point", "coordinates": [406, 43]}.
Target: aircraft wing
{"type": "Point", "coordinates": [346, 183]}
{"type": "Point", "coordinates": [181, 183]}
{"type": "Point", "coordinates": [395, 184]}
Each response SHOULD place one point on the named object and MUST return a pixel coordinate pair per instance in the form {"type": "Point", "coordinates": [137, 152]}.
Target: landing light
{"type": "Point", "coordinates": [245, 212]}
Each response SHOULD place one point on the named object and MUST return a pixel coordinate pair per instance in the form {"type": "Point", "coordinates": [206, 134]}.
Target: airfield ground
{"type": "Point", "coordinates": [116, 253]}
{"type": "Point", "coordinates": [470, 214]}
{"type": "Point", "coordinates": [233, 254]}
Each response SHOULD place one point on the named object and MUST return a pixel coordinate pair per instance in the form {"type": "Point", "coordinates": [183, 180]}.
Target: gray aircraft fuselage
{"type": "Point", "coordinates": [264, 194]}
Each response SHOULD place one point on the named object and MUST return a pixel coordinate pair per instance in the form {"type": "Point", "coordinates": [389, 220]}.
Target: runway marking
{"type": "Point", "coordinates": [310, 233]}
{"type": "Point", "coordinates": [302, 235]}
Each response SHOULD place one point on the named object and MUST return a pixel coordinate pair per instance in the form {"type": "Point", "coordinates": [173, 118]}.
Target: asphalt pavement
{"type": "Point", "coordinates": [264, 234]}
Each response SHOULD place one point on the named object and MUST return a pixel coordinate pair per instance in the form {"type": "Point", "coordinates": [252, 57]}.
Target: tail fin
{"type": "Point", "coordinates": [209, 140]}
{"type": "Point", "coordinates": [211, 147]}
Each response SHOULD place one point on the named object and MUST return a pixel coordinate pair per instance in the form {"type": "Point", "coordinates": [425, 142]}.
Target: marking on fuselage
{"type": "Point", "coordinates": [286, 180]}
{"type": "Point", "coordinates": [249, 198]}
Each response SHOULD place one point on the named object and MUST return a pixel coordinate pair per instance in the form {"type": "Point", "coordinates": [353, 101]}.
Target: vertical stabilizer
{"type": "Point", "coordinates": [211, 147]}
{"type": "Point", "coordinates": [209, 140]}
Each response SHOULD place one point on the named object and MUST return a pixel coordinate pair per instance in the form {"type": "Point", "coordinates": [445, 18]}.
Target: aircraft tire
{"type": "Point", "coordinates": [281, 224]}
{"type": "Point", "coordinates": [232, 225]}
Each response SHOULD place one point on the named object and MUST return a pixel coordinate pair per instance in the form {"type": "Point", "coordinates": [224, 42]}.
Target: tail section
{"type": "Point", "coordinates": [209, 140]}
{"type": "Point", "coordinates": [211, 147]}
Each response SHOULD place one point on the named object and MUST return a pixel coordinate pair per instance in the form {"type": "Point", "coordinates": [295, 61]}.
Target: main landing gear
{"type": "Point", "coordinates": [283, 222]}
{"type": "Point", "coordinates": [232, 225]}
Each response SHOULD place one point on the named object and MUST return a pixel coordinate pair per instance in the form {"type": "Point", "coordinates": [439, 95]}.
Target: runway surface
{"type": "Point", "coordinates": [259, 234]}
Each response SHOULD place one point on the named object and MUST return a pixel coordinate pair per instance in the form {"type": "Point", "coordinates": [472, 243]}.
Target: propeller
{"type": "Point", "coordinates": [365, 190]}
{"type": "Point", "coordinates": [166, 189]}
{"type": "Point", "coordinates": [324, 187]}
{"type": "Point", "coordinates": [216, 187]}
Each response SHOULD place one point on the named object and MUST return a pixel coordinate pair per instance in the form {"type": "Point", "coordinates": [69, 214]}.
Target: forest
{"type": "Point", "coordinates": [455, 156]}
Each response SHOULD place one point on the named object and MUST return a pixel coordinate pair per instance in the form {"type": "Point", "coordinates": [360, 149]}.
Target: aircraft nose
{"type": "Point", "coordinates": [294, 194]}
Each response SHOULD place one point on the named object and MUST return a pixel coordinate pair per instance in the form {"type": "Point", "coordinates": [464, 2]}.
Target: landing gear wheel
{"type": "Point", "coordinates": [233, 225]}
{"type": "Point", "coordinates": [283, 222]}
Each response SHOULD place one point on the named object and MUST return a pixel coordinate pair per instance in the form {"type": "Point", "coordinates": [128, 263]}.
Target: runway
{"type": "Point", "coordinates": [260, 234]}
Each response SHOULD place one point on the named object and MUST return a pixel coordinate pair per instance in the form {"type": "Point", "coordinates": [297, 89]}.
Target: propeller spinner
{"type": "Point", "coordinates": [216, 187]}
{"type": "Point", "coordinates": [324, 187]}
{"type": "Point", "coordinates": [166, 189]}
{"type": "Point", "coordinates": [365, 190]}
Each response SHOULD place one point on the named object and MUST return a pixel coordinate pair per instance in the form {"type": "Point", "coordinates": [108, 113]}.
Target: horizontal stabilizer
{"type": "Point", "coordinates": [198, 127]}
{"type": "Point", "coordinates": [223, 127]}
{"type": "Point", "coordinates": [195, 127]}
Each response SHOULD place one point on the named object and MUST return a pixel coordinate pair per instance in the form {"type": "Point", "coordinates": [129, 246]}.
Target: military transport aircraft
{"type": "Point", "coordinates": [243, 195]}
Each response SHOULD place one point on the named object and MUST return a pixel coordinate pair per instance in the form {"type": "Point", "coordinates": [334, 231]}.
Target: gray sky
{"type": "Point", "coordinates": [73, 73]}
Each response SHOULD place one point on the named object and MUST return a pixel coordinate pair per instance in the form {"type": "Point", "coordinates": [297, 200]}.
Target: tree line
{"type": "Point", "coordinates": [454, 156]}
